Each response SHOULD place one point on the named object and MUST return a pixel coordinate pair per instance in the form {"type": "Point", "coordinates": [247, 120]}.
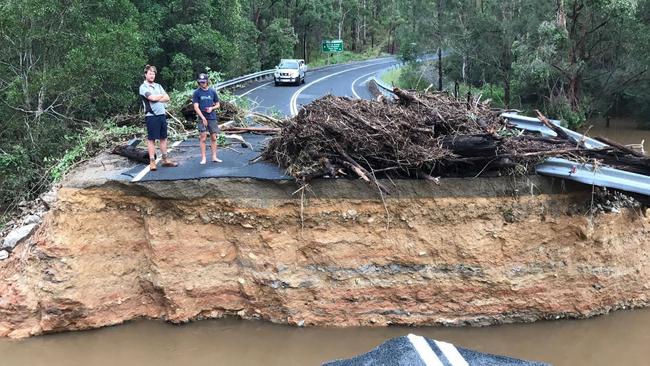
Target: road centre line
{"type": "Point", "coordinates": [293, 104]}
{"type": "Point", "coordinates": [144, 171]}
{"type": "Point", "coordinates": [267, 83]}
{"type": "Point", "coordinates": [357, 79]}
{"type": "Point", "coordinates": [257, 87]}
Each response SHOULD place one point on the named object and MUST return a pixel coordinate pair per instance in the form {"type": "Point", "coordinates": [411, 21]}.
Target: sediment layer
{"type": "Point", "coordinates": [466, 251]}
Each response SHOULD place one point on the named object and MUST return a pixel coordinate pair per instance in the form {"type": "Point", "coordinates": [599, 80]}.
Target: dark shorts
{"type": "Point", "coordinates": [213, 126]}
{"type": "Point", "coordinates": [156, 127]}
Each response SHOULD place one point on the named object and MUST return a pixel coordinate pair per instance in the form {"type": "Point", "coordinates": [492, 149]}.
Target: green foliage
{"type": "Point", "coordinates": [16, 173]}
{"type": "Point", "coordinates": [494, 93]}
{"type": "Point", "coordinates": [560, 108]}
{"type": "Point", "coordinates": [392, 76]}
{"type": "Point", "coordinates": [343, 57]}
{"type": "Point", "coordinates": [89, 143]}
{"type": "Point", "coordinates": [280, 41]}
{"type": "Point", "coordinates": [68, 66]}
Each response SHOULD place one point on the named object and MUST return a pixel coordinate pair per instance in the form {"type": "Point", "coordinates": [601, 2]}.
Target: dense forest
{"type": "Point", "coordinates": [67, 66]}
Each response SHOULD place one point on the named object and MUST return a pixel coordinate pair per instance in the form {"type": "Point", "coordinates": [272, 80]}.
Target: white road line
{"type": "Point", "coordinates": [424, 350]}
{"type": "Point", "coordinates": [294, 98]}
{"type": "Point", "coordinates": [265, 84]}
{"type": "Point", "coordinates": [144, 171]}
{"type": "Point", "coordinates": [357, 79]}
{"type": "Point", "coordinates": [257, 87]}
{"type": "Point", "coordinates": [451, 353]}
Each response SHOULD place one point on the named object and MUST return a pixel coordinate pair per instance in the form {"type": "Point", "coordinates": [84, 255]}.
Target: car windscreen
{"type": "Point", "coordinates": [289, 65]}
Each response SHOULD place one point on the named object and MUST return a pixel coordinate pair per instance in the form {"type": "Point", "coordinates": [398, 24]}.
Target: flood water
{"type": "Point", "coordinates": [620, 338]}
{"type": "Point", "coordinates": [621, 130]}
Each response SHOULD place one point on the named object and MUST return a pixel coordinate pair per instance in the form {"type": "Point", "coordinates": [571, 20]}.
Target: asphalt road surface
{"type": "Point", "coordinates": [341, 80]}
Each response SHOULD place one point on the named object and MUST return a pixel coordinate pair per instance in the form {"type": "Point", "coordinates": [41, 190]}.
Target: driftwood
{"type": "Point", "coordinates": [423, 135]}
{"type": "Point", "coordinates": [234, 129]}
{"type": "Point", "coordinates": [560, 132]}
{"type": "Point", "coordinates": [621, 147]}
{"type": "Point", "coordinates": [133, 153]}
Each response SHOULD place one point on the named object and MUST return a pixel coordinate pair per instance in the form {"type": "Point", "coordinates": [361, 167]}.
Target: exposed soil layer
{"type": "Point", "coordinates": [466, 251]}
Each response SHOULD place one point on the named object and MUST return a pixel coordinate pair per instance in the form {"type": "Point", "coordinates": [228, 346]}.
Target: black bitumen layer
{"type": "Point", "coordinates": [400, 352]}
{"type": "Point", "coordinates": [236, 163]}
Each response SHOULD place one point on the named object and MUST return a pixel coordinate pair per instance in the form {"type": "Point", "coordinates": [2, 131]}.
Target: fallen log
{"type": "Point", "coordinates": [621, 147]}
{"type": "Point", "coordinates": [133, 153]}
{"type": "Point", "coordinates": [560, 132]}
{"type": "Point", "coordinates": [232, 129]}
{"type": "Point", "coordinates": [472, 145]}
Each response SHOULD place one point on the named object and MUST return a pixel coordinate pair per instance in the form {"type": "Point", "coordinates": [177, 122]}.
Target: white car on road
{"type": "Point", "coordinates": [290, 71]}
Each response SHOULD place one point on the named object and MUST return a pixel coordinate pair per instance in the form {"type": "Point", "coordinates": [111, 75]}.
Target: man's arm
{"type": "Point", "coordinates": [157, 98]}
{"type": "Point", "coordinates": [199, 113]}
{"type": "Point", "coordinates": [163, 97]}
{"type": "Point", "coordinates": [216, 104]}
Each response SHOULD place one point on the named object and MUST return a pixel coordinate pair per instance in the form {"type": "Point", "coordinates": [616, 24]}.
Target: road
{"type": "Point", "coordinates": [342, 80]}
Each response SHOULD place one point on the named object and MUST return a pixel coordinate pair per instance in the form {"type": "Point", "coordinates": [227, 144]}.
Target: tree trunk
{"type": "Point", "coordinates": [560, 18]}
{"type": "Point", "coordinates": [439, 45]}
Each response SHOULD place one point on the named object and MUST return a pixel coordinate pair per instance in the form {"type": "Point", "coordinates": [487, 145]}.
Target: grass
{"type": "Point", "coordinates": [391, 77]}
{"type": "Point", "coordinates": [343, 57]}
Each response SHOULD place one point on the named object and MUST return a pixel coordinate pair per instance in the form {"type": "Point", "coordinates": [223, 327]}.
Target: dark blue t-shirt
{"type": "Point", "coordinates": [206, 98]}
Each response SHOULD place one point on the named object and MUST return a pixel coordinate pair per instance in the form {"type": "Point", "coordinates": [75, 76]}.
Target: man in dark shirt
{"type": "Point", "coordinates": [206, 101]}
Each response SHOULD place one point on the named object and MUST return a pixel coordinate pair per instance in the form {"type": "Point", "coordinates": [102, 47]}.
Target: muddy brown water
{"type": "Point", "coordinates": [620, 338]}
{"type": "Point", "coordinates": [621, 130]}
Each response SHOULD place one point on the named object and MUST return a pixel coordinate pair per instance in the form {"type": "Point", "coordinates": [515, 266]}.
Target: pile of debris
{"type": "Point", "coordinates": [226, 112]}
{"type": "Point", "coordinates": [423, 135]}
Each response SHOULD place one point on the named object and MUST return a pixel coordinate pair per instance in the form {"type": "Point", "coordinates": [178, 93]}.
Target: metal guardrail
{"type": "Point", "coordinates": [534, 124]}
{"type": "Point", "coordinates": [265, 73]}
{"type": "Point", "coordinates": [245, 78]}
{"type": "Point", "coordinates": [602, 176]}
{"type": "Point", "coordinates": [384, 87]}
{"type": "Point", "coordinates": [581, 172]}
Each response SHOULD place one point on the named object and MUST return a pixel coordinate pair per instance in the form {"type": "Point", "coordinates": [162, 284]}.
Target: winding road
{"type": "Point", "coordinates": [342, 80]}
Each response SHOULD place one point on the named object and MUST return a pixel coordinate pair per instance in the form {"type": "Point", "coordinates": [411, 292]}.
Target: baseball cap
{"type": "Point", "coordinates": [202, 78]}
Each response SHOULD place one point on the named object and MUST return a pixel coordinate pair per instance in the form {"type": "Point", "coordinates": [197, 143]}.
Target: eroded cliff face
{"type": "Point", "coordinates": [468, 251]}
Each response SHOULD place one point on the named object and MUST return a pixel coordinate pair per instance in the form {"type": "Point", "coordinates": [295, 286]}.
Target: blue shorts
{"type": "Point", "coordinates": [156, 127]}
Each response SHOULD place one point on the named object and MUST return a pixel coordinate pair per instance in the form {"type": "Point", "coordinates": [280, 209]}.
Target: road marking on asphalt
{"type": "Point", "coordinates": [270, 82]}
{"type": "Point", "coordinates": [144, 171]}
{"type": "Point", "coordinates": [424, 350]}
{"type": "Point", "coordinates": [257, 87]}
{"type": "Point", "coordinates": [293, 105]}
{"type": "Point", "coordinates": [357, 79]}
{"type": "Point", "coordinates": [451, 353]}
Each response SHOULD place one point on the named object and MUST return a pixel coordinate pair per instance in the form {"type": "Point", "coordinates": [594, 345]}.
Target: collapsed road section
{"type": "Point", "coordinates": [486, 249]}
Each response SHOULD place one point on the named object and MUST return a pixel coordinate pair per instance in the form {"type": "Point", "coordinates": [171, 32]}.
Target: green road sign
{"type": "Point", "coordinates": [332, 46]}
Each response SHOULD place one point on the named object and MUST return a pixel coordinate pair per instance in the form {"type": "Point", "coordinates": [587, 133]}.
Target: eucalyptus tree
{"type": "Point", "coordinates": [63, 65]}
{"type": "Point", "coordinates": [585, 56]}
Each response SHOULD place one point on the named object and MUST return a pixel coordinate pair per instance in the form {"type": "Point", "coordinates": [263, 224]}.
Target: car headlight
{"type": "Point", "coordinates": [276, 74]}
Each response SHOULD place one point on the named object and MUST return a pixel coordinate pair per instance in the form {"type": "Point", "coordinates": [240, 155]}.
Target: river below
{"type": "Point", "coordinates": [620, 338]}
{"type": "Point", "coordinates": [621, 130]}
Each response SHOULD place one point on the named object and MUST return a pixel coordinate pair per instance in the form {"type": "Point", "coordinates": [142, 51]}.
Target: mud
{"type": "Point", "coordinates": [465, 251]}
